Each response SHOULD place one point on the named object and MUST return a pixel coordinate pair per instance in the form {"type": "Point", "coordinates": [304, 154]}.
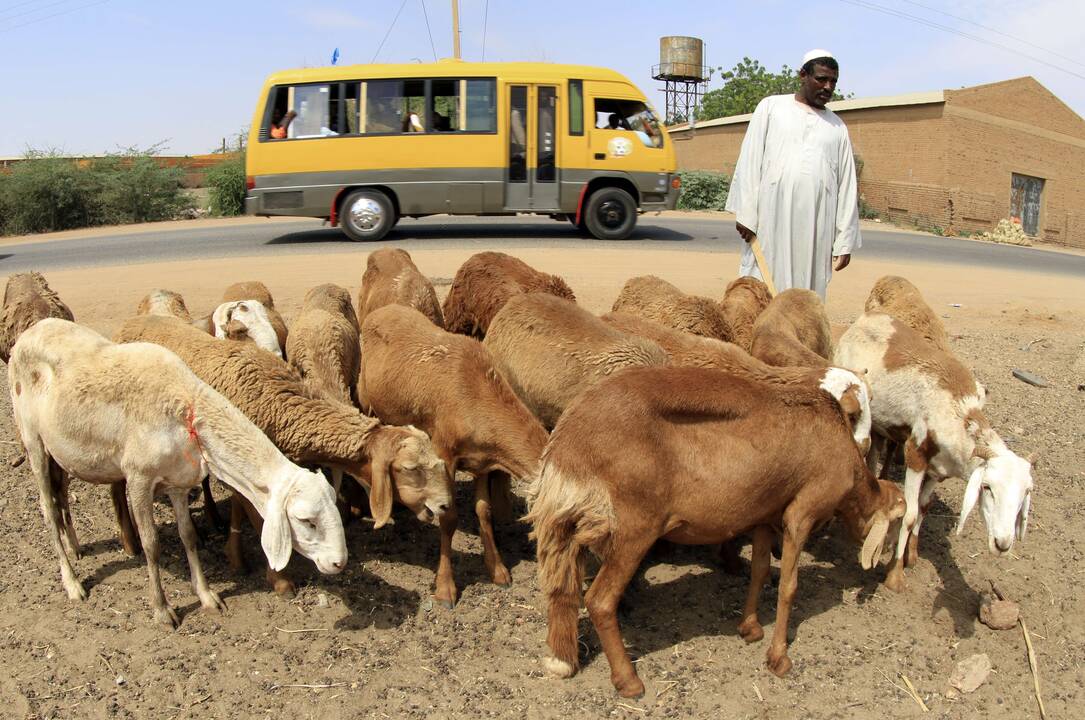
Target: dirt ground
{"type": "Point", "coordinates": [370, 642]}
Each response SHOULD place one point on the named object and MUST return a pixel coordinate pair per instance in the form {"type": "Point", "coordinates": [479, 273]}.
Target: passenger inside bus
{"type": "Point", "coordinates": [280, 121]}
{"type": "Point", "coordinates": [412, 123]}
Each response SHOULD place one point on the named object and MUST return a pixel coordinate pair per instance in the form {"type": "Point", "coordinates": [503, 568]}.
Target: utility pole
{"type": "Point", "coordinates": [455, 29]}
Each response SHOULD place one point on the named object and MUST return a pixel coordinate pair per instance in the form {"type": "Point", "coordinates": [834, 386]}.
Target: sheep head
{"type": "Point", "coordinates": [1002, 484]}
{"type": "Point", "coordinates": [301, 514]}
{"type": "Point", "coordinates": [884, 523]}
{"type": "Point", "coordinates": [404, 466]}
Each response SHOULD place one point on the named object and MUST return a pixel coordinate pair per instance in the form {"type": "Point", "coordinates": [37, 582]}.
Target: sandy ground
{"type": "Point", "coordinates": [377, 646]}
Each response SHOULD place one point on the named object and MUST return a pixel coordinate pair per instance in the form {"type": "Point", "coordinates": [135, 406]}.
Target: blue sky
{"type": "Point", "coordinates": [99, 75]}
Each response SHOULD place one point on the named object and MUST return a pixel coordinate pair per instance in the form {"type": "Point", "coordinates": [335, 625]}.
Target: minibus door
{"type": "Point", "coordinates": [531, 181]}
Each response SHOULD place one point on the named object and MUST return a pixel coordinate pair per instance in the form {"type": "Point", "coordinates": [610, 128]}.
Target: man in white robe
{"type": "Point", "coordinates": [794, 185]}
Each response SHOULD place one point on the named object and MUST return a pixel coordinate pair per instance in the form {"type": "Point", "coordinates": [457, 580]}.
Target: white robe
{"type": "Point", "coordinates": [794, 185]}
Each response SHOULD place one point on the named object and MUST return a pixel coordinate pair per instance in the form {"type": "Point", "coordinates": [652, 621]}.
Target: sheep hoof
{"type": "Point", "coordinates": [212, 603]}
{"type": "Point", "coordinates": [631, 688]}
{"type": "Point", "coordinates": [559, 668]}
{"type": "Point", "coordinates": [779, 666]}
{"type": "Point", "coordinates": [751, 630]}
{"type": "Point", "coordinates": [446, 604]}
{"type": "Point", "coordinates": [894, 579]}
{"type": "Point", "coordinates": [76, 591]}
{"type": "Point", "coordinates": [167, 616]}
{"type": "Point", "coordinates": [501, 576]}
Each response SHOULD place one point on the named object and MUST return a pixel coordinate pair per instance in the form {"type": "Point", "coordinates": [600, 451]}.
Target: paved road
{"type": "Point", "coordinates": [308, 236]}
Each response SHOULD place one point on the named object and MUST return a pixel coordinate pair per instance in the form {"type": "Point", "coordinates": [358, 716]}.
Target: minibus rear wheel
{"type": "Point", "coordinates": [610, 214]}
{"type": "Point", "coordinates": [367, 215]}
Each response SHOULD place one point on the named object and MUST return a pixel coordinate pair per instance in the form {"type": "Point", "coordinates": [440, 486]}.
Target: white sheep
{"type": "Point", "coordinates": [246, 319]}
{"type": "Point", "coordinates": [108, 413]}
{"type": "Point", "coordinates": [928, 400]}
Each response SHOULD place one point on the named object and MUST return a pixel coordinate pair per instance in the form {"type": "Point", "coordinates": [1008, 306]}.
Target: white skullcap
{"type": "Point", "coordinates": [815, 54]}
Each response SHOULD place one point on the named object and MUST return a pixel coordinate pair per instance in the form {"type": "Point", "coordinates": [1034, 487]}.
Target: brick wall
{"type": "Point", "coordinates": [1022, 99]}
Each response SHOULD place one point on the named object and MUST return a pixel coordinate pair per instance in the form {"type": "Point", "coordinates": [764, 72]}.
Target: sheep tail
{"type": "Point", "coordinates": [569, 516]}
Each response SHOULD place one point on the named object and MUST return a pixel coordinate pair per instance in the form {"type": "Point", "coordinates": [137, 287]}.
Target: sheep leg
{"type": "Point", "coordinates": [129, 538]}
{"type": "Point", "coordinates": [141, 501]}
{"type": "Point", "coordinates": [211, 508]}
{"type": "Point", "coordinates": [39, 464]}
{"type": "Point", "coordinates": [926, 493]}
{"type": "Point", "coordinates": [602, 601]}
{"type": "Point", "coordinates": [730, 560]}
{"type": "Point", "coordinates": [794, 539]}
{"type": "Point", "coordinates": [876, 459]}
{"type": "Point", "coordinates": [490, 554]}
{"type": "Point", "coordinates": [750, 628]}
{"type": "Point", "coordinates": [233, 541]}
{"type": "Point", "coordinates": [60, 481]}
{"type": "Point", "coordinates": [446, 592]}
{"type": "Point", "coordinates": [279, 581]}
{"type": "Point", "coordinates": [209, 600]}
{"type": "Point", "coordinates": [915, 470]}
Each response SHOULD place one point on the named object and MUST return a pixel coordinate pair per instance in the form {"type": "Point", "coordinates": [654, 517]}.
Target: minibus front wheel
{"type": "Point", "coordinates": [367, 215]}
{"type": "Point", "coordinates": [610, 213]}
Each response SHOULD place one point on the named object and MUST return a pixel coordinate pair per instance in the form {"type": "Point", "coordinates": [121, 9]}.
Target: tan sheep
{"type": "Point", "coordinates": [164, 302]}
{"type": "Point", "coordinates": [323, 344]}
{"type": "Point", "coordinates": [27, 299]}
{"type": "Point", "coordinates": [391, 277]}
{"type": "Point", "coordinates": [656, 299]}
{"type": "Point", "coordinates": [794, 331]}
{"type": "Point", "coordinates": [743, 302]}
{"type": "Point", "coordinates": [550, 349]}
{"type": "Point", "coordinates": [416, 373]}
{"type": "Point", "coordinates": [256, 290]}
{"type": "Point", "coordinates": [900, 299]}
{"type": "Point", "coordinates": [134, 414]}
{"type": "Point", "coordinates": [485, 282]}
{"type": "Point", "coordinates": [395, 462]}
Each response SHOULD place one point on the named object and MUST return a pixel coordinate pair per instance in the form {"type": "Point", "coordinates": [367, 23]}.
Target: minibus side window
{"type": "Point", "coordinates": [576, 107]}
{"type": "Point", "coordinates": [445, 108]}
{"type": "Point", "coordinates": [395, 106]}
{"type": "Point", "coordinates": [629, 115]}
{"type": "Point", "coordinates": [481, 110]}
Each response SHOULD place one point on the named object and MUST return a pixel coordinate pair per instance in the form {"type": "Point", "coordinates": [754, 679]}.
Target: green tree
{"type": "Point", "coordinates": [745, 85]}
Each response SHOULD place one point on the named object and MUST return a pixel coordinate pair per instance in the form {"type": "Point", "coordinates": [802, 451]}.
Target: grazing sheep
{"type": "Point", "coordinates": [900, 299]}
{"type": "Point", "coordinates": [793, 330]}
{"type": "Point", "coordinates": [323, 345]}
{"type": "Point", "coordinates": [27, 299]}
{"type": "Point", "coordinates": [395, 462]}
{"type": "Point", "coordinates": [550, 349]}
{"type": "Point", "coordinates": [928, 400]}
{"type": "Point", "coordinates": [256, 290]}
{"type": "Point", "coordinates": [743, 301]}
{"type": "Point", "coordinates": [697, 456]}
{"type": "Point", "coordinates": [391, 277]}
{"type": "Point", "coordinates": [655, 299]}
{"type": "Point", "coordinates": [164, 302]}
{"type": "Point", "coordinates": [247, 321]}
{"type": "Point", "coordinates": [135, 414]}
{"type": "Point", "coordinates": [415, 373]}
{"type": "Point", "coordinates": [485, 282]}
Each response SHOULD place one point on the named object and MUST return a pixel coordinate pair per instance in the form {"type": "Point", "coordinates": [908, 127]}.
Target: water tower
{"type": "Point", "coordinates": [681, 68]}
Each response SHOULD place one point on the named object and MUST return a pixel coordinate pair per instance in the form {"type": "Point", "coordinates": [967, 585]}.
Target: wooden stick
{"type": "Point", "coordinates": [630, 707]}
{"type": "Point", "coordinates": [311, 687]}
{"type": "Point", "coordinates": [762, 265]}
{"type": "Point", "coordinates": [760, 697]}
{"type": "Point", "coordinates": [914, 693]}
{"type": "Point", "coordinates": [1033, 666]}
{"type": "Point", "coordinates": [302, 630]}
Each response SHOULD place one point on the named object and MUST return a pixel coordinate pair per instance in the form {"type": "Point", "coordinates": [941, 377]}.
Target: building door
{"type": "Point", "coordinates": [531, 176]}
{"type": "Point", "coordinates": [1025, 192]}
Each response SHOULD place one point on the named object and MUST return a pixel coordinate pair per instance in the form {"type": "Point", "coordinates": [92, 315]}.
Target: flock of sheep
{"type": "Point", "coordinates": [673, 416]}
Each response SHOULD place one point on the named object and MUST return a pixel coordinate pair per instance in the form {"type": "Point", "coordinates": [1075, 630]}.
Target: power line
{"type": "Point", "coordinates": [49, 17]}
{"type": "Point", "coordinates": [954, 31]}
{"type": "Point", "coordinates": [389, 31]}
{"type": "Point", "coordinates": [431, 45]}
{"type": "Point", "coordinates": [12, 7]}
{"type": "Point", "coordinates": [31, 11]}
{"type": "Point", "coordinates": [485, 19]}
{"type": "Point", "coordinates": [994, 30]}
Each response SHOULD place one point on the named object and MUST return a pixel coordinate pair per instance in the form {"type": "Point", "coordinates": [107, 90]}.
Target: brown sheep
{"type": "Point", "coordinates": [794, 331]}
{"type": "Point", "coordinates": [485, 282]}
{"type": "Point", "coordinates": [27, 299]}
{"type": "Point", "coordinates": [418, 374]}
{"type": "Point", "coordinates": [256, 290]}
{"type": "Point", "coordinates": [695, 456]}
{"type": "Point", "coordinates": [655, 299]}
{"type": "Point", "coordinates": [743, 301]}
{"type": "Point", "coordinates": [900, 299]}
{"type": "Point", "coordinates": [550, 349]}
{"type": "Point", "coordinates": [323, 344]}
{"type": "Point", "coordinates": [391, 277]}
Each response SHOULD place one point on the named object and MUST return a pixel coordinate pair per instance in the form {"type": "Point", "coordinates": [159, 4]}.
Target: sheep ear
{"type": "Point", "coordinates": [1022, 517]}
{"type": "Point", "coordinates": [971, 495]}
{"type": "Point", "coordinates": [275, 535]}
{"type": "Point", "coordinates": [875, 542]}
{"type": "Point", "coordinates": [380, 489]}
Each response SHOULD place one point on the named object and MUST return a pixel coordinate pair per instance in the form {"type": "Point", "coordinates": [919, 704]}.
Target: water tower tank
{"type": "Point", "coordinates": [681, 58]}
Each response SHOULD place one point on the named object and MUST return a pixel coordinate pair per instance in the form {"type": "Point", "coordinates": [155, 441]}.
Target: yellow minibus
{"type": "Point", "coordinates": [365, 145]}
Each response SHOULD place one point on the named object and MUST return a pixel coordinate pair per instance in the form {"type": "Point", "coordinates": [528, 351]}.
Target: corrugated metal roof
{"type": "Point", "coordinates": [917, 98]}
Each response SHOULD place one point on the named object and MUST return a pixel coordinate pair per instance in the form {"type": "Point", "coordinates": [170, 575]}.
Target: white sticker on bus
{"type": "Point", "coordinates": [619, 147]}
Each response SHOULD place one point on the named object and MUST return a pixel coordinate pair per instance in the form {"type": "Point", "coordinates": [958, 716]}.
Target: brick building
{"type": "Point", "coordinates": [957, 160]}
